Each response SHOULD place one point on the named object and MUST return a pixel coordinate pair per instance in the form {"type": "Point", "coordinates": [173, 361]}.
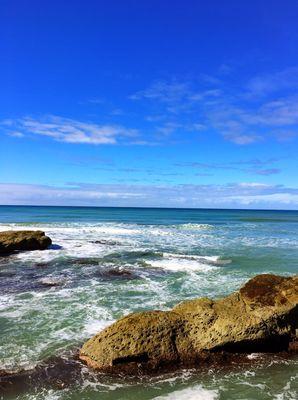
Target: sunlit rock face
{"type": "Point", "coordinates": [261, 317]}
{"type": "Point", "coordinates": [11, 241]}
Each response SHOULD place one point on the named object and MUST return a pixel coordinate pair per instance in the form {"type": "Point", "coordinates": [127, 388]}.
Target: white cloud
{"type": "Point", "coordinates": [283, 199]}
{"type": "Point", "coordinates": [234, 195]}
{"type": "Point", "coordinates": [238, 113]}
{"type": "Point", "coordinates": [281, 112]}
{"type": "Point", "coordinates": [269, 83]}
{"type": "Point", "coordinates": [254, 185]}
{"type": "Point", "coordinates": [167, 92]}
{"type": "Point", "coordinates": [173, 107]}
{"type": "Point", "coordinates": [70, 131]}
{"type": "Point", "coordinates": [16, 134]}
{"type": "Point", "coordinates": [241, 139]}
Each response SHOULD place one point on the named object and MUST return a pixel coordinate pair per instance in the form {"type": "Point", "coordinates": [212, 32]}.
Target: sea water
{"type": "Point", "coordinates": [108, 262]}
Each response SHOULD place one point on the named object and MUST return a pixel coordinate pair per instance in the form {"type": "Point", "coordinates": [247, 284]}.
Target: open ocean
{"type": "Point", "coordinates": [161, 257]}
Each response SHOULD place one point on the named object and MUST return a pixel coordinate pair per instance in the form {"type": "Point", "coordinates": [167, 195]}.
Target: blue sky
{"type": "Point", "coordinates": [149, 103]}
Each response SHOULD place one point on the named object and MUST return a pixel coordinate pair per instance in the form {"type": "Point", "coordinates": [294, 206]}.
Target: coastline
{"type": "Point", "coordinates": [104, 268]}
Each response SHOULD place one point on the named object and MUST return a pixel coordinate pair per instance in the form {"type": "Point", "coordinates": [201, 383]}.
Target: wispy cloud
{"type": "Point", "coordinates": [268, 83]}
{"type": "Point", "coordinates": [16, 134]}
{"type": "Point", "coordinates": [265, 107]}
{"type": "Point", "coordinates": [268, 171]}
{"type": "Point", "coordinates": [233, 195]}
{"type": "Point", "coordinates": [241, 138]}
{"type": "Point", "coordinates": [254, 111]}
{"type": "Point", "coordinates": [166, 92]}
{"type": "Point", "coordinates": [253, 166]}
{"type": "Point", "coordinates": [177, 96]}
{"type": "Point", "coordinates": [69, 130]}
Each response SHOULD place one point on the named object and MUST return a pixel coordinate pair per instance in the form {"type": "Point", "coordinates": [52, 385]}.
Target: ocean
{"type": "Point", "coordinates": [108, 262]}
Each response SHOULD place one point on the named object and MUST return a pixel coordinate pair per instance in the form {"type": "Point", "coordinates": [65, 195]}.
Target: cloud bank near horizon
{"type": "Point", "coordinates": [252, 195]}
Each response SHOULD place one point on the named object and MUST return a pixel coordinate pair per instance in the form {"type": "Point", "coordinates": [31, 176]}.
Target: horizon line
{"type": "Point", "coordinates": [157, 207]}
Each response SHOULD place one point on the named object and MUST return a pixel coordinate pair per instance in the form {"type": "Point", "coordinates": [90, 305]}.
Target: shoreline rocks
{"type": "Point", "coordinates": [261, 317]}
{"type": "Point", "coordinates": [62, 372]}
{"type": "Point", "coordinates": [11, 241]}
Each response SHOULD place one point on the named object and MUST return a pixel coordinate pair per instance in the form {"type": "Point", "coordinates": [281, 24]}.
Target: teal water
{"type": "Point", "coordinates": [108, 262]}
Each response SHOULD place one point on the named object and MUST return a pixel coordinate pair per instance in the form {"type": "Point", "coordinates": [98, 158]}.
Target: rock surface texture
{"type": "Point", "coordinates": [261, 317]}
{"type": "Point", "coordinates": [11, 241]}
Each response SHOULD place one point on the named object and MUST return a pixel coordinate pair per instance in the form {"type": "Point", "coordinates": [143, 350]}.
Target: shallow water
{"type": "Point", "coordinates": [107, 262]}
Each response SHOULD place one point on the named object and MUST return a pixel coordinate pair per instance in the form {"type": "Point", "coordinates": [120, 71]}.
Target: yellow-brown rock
{"type": "Point", "coordinates": [11, 241]}
{"type": "Point", "coordinates": [153, 336]}
{"type": "Point", "coordinates": [262, 316]}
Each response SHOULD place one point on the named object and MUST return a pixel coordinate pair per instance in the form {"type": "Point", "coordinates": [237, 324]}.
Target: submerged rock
{"type": "Point", "coordinates": [51, 282]}
{"type": "Point", "coordinates": [261, 317]}
{"type": "Point", "coordinates": [106, 242]}
{"type": "Point", "coordinates": [115, 273]}
{"type": "Point", "coordinates": [11, 241]}
{"type": "Point", "coordinates": [54, 373]}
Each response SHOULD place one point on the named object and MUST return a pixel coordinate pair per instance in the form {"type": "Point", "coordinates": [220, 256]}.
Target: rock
{"type": "Point", "coordinates": [7, 274]}
{"type": "Point", "coordinates": [115, 273]}
{"type": "Point", "coordinates": [50, 281]}
{"type": "Point", "coordinates": [262, 316]}
{"type": "Point", "coordinates": [154, 336]}
{"type": "Point", "coordinates": [84, 261]}
{"type": "Point", "coordinates": [106, 242]}
{"type": "Point", "coordinates": [11, 241]}
{"type": "Point", "coordinates": [42, 265]}
{"type": "Point", "coordinates": [51, 374]}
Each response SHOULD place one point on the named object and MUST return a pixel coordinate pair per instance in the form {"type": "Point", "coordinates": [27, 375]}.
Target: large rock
{"type": "Point", "coordinates": [11, 241]}
{"type": "Point", "coordinates": [262, 316]}
{"type": "Point", "coordinates": [153, 336]}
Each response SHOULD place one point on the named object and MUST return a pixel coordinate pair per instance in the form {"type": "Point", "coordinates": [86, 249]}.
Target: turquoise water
{"type": "Point", "coordinates": [108, 262]}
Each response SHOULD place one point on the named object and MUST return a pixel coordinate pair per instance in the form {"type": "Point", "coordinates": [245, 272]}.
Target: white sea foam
{"type": "Point", "coordinates": [253, 356]}
{"type": "Point", "coordinates": [94, 326]}
{"type": "Point", "coordinates": [191, 226]}
{"type": "Point", "coordinates": [181, 264]}
{"type": "Point", "coordinates": [193, 393]}
{"type": "Point", "coordinates": [208, 259]}
{"type": "Point", "coordinates": [59, 317]}
{"type": "Point", "coordinates": [79, 240]}
{"type": "Point", "coordinates": [86, 304]}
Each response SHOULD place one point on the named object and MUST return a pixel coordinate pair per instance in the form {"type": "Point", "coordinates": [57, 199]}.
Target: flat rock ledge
{"type": "Point", "coordinates": [11, 241]}
{"type": "Point", "coordinates": [261, 317]}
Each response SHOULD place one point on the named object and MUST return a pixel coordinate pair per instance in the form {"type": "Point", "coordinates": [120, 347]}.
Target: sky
{"type": "Point", "coordinates": [149, 103]}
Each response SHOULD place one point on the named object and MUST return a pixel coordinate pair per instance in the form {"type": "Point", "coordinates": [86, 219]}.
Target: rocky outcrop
{"type": "Point", "coordinates": [262, 316]}
{"type": "Point", "coordinates": [11, 241]}
{"type": "Point", "coordinates": [153, 336]}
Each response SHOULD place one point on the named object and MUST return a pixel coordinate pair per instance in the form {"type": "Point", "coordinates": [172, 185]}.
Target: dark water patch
{"type": "Point", "coordinates": [106, 242]}
{"type": "Point", "coordinates": [84, 261]}
{"type": "Point", "coordinates": [42, 265]}
{"type": "Point", "coordinates": [115, 273]}
{"type": "Point", "coordinates": [7, 274]}
{"type": "Point", "coordinates": [65, 262]}
{"type": "Point", "coordinates": [21, 277]}
{"type": "Point", "coordinates": [16, 285]}
{"type": "Point", "coordinates": [55, 373]}
{"type": "Point", "coordinates": [273, 262]}
{"type": "Point", "coordinates": [59, 373]}
{"type": "Point", "coordinates": [142, 270]}
{"type": "Point", "coordinates": [268, 219]}
{"type": "Point", "coordinates": [133, 256]}
{"type": "Point", "coordinates": [55, 247]}
{"type": "Point", "coordinates": [60, 262]}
